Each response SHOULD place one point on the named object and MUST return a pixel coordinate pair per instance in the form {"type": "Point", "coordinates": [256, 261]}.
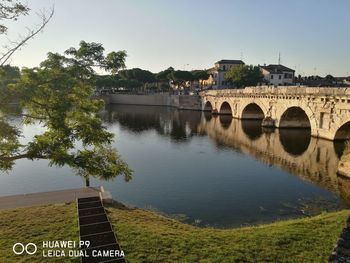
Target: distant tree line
{"type": "Point", "coordinates": [137, 79]}
{"type": "Point", "coordinates": [327, 81]}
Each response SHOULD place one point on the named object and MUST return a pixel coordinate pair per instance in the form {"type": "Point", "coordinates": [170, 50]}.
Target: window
{"type": "Point", "coordinates": [286, 75]}
{"type": "Point", "coordinates": [271, 76]}
{"type": "Point", "coordinates": [224, 67]}
{"type": "Point", "coordinates": [279, 76]}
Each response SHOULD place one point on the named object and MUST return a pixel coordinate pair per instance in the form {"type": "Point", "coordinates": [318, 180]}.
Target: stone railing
{"type": "Point", "coordinates": [280, 90]}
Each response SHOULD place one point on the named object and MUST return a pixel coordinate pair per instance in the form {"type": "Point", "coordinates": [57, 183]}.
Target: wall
{"type": "Point", "coordinates": [157, 99]}
{"type": "Point", "coordinates": [188, 102]}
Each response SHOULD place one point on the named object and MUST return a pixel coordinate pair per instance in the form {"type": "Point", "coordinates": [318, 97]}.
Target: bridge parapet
{"type": "Point", "coordinates": [281, 90]}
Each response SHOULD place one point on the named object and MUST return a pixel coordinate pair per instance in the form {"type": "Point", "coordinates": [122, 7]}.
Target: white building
{"type": "Point", "coordinates": [278, 74]}
{"type": "Point", "coordinates": [219, 70]}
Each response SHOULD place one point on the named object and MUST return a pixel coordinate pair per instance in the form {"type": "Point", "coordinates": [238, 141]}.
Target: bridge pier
{"type": "Point", "coordinates": [268, 122]}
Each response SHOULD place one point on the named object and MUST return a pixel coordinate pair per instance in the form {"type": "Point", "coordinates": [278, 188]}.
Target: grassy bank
{"type": "Point", "coordinates": [36, 224]}
{"type": "Point", "coordinates": [149, 237]}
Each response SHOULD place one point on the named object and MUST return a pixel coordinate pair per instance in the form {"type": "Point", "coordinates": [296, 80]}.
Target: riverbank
{"type": "Point", "coordinates": [146, 236]}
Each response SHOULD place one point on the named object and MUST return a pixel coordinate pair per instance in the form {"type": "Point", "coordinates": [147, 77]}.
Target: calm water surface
{"type": "Point", "coordinates": [206, 170]}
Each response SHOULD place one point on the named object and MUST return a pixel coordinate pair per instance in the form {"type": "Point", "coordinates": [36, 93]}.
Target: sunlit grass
{"type": "Point", "coordinates": [149, 237]}
{"type": "Point", "coordinates": [35, 225]}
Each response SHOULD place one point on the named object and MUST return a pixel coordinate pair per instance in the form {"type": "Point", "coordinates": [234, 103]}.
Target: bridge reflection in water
{"type": "Point", "coordinates": [293, 150]}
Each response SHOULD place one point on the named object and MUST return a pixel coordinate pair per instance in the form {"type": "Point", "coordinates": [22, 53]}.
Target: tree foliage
{"type": "Point", "coordinates": [8, 74]}
{"type": "Point", "coordinates": [165, 74]}
{"type": "Point", "coordinates": [244, 75]}
{"type": "Point", "coordinates": [140, 75]}
{"type": "Point", "coordinates": [11, 10]}
{"type": "Point", "coordinates": [114, 81]}
{"type": "Point", "coordinates": [180, 78]}
{"type": "Point", "coordinates": [57, 95]}
{"type": "Point", "coordinates": [200, 74]}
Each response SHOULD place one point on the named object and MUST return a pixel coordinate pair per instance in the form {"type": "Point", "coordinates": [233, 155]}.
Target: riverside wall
{"type": "Point", "coordinates": [186, 102]}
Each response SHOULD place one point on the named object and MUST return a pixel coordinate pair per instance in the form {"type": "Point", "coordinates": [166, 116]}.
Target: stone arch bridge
{"type": "Point", "coordinates": [326, 111]}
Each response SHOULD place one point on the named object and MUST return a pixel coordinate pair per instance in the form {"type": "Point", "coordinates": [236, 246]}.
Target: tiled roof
{"type": "Point", "coordinates": [276, 68]}
{"type": "Point", "coordinates": [230, 61]}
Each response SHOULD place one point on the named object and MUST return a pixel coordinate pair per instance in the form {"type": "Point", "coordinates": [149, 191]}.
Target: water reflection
{"type": "Point", "coordinates": [294, 151]}
{"type": "Point", "coordinates": [295, 141]}
{"type": "Point", "coordinates": [225, 121]}
{"type": "Point", "coordinates": [252, 128]}
{"type": "Point", "coordinates": [178, 125]}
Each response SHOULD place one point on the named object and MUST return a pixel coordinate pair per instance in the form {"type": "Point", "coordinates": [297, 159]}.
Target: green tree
{"type": "Point", "coordinates": [107, 81]}
{"type": "Point", "coordinates": [136, 74]}
{"type": "Point", "coordinates": [57, 94]}
{"type": "Point", "coordinates": [244, 75]}
{"type": "Point", "coordinates": [163, 78]}
{"type": "Point", "coordinates": [200, 74]}
{"type": "Point", "coordinates": [329, 78]}
{"type": "Point", "coordinates": [8, 74]}
{"type": "Point", "coordinates": [180, 78]}
{"type": "Point", "coordinates": [165, 74]}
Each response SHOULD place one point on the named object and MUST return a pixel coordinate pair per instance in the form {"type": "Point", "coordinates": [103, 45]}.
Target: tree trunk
{"type": "Point", "coordinates": [87, 181]}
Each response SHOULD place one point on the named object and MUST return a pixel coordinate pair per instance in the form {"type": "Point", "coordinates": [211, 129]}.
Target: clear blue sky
{"type": "Point", "coordinates": [313, 36]}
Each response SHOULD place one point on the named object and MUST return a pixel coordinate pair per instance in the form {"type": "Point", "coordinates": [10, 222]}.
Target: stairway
{"type": "Point", "coordinates": [94, 227]}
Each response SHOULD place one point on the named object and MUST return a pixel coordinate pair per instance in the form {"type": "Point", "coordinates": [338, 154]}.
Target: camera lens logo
{"type": "Point", "coordinates": [29, 248]}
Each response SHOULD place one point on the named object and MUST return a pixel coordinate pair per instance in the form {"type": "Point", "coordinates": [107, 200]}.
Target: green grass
{"type": "Point", "coordinates": [149, 237]}
{"type": "Point", "coordinates": [36, 224]}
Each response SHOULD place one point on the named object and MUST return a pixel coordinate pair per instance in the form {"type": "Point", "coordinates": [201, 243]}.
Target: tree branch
{"type": "Point", "coordinates": [21, 156]}
{"type": "Point", "coordinates": [17, 45]}
{"type": "Point", "coordinates": [33, 117]}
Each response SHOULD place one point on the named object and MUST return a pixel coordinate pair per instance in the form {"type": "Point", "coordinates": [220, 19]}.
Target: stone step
{"type": "Point", "coordinates": [89, 205]}
{"type": "Point", "coordinates": [88, 199]}
{"type": "Point", "coordinates": [91, 211]}
{"type": "Point", "coordinates": [95, 228]}
{"type": "Point", "coordinates": [86, 220]}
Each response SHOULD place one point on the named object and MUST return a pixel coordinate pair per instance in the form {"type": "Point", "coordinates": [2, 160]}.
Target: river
{"type": "Point", "coordinates": [205, 170]}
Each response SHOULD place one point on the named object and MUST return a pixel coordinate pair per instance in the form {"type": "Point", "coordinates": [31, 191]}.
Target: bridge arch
{"type": "Point", "coordinates": [208, 106]}
{"type": "Point", "coordinates": [294, 117]}
{"type": "Point", "coordinates": [225, 108]}
{"type": "Point", "coordinates": [252, 111]}
{"type": "Point", "coordinates": [343, 132]}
